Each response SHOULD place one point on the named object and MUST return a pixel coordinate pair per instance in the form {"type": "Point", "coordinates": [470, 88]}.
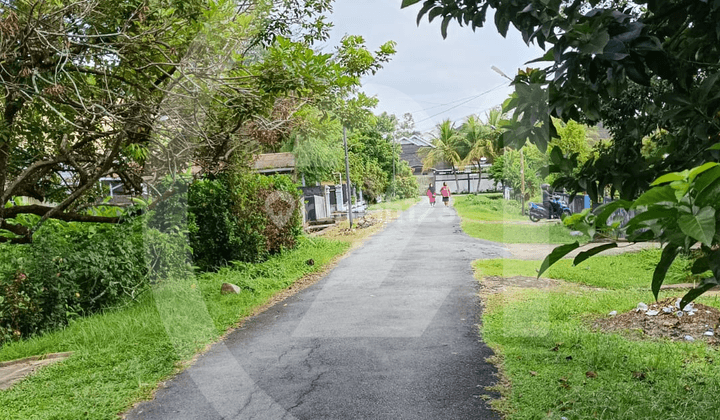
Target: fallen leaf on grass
{"type": "Point", "coordinates": [591, 374]}
{"type": "Point", "coordinates": [533, 373]}
{"type": "Point", "coordinates": [639, 375]}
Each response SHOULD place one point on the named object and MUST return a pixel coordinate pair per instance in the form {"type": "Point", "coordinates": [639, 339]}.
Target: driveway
{"type": "Point", "coordinates": [390, 333]}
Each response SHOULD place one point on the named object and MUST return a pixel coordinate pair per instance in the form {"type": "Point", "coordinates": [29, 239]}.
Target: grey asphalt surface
{"type": "Point", "coordinates": [390, 333]}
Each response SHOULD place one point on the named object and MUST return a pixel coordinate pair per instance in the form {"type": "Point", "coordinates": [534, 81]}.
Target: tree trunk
{"type": "Point", "coordinates": [477, 190]}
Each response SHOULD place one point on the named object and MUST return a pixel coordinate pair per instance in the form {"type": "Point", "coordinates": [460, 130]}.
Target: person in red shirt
{"type": "Point", "coordinates": [445, 192]}
{"type": "Point", "coordinates": [431, 195]}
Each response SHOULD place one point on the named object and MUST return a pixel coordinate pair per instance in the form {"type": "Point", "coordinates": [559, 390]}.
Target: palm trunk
{"type": "Point", "coordinates": [477, 190]}
{"type": "Point", "coordinates": [457, 182]}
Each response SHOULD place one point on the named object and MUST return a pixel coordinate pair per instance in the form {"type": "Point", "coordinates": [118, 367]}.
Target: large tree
{"type": "Point", "coordinates": [636, 66]}
{"type": "Point", "coordinates": [140, 89]}
{"type": "Point", "coordinates": [649, 68]}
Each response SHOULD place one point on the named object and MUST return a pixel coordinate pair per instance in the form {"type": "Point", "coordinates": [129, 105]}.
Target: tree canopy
{"type": "Point", "coordinates": [636, 66]}
{"type": "Point", "coordinates": [140, 89]}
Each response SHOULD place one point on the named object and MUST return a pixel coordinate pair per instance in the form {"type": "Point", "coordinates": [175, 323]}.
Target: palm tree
{"type": "Point", "coordinates": [482, 140]}
{"type": "Point", "coordinates": [447, 142]}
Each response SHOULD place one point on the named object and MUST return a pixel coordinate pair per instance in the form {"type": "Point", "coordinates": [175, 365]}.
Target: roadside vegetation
{"type": "Point", "coordinates": [615, 272]}
{"type": "Point", "coordinates": [121, 354]}
{"type": "Point", "coordinates": [555, 364]}
{"type": "Point", "coordinates": [488, 207]}
{"type": "Point", "coordinates": [490, 217]}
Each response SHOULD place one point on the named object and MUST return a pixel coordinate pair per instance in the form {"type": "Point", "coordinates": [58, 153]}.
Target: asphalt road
{"type": "Point", "coordinates": [390, 333]}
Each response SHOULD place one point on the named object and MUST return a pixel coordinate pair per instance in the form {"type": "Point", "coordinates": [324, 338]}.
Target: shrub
{"type": "Point", "coordinates": [406, 187]}
{"type": "Point", "coordinates": [242, 217]}
{"type": "Point", "coordinates": [70, 269]}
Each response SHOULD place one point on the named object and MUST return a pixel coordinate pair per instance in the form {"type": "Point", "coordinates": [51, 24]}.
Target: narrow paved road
{"type": "Point", "coordinates": [390, 333]}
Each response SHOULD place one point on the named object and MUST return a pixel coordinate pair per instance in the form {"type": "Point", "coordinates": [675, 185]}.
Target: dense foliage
{"type": "Point", "coordinates": [74, 269]}
{"type": "Point", "coordinates": [682, 209]}
{"type": "Point", "coordinates": [636, 66]}
{"type": "Point", "coordinates": [138, 90]}
{"type": "Point", "coordinates": [242, 217]}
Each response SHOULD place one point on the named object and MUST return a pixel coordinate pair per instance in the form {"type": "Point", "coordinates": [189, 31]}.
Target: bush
{"type": "Point", "coordinates": [406, 187]}
{"type": "Point", "coordinates": [242, 217]}
{"type": "Point", "coordinates": [70, 269]}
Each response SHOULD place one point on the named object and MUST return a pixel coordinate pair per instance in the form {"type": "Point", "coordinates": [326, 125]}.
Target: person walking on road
{"type": "Point", "coordinates": [445, 192]}
{"type": "Point", "coordinates": [431, 195]}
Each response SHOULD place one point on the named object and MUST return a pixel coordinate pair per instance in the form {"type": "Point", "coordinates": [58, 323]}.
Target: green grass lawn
{"type": "Point", "coordinates": [558, 366]}
{"type": "Point", "coordinates": [677, 379]}
{"type": "Point", "coordinates": [399, 205]}
{"type": "Point", "coordinates": [490, 207]}
{"type": "Point", "coordinates": [626, 271]}
{"type": "Point", "coordinates": [509, 233]}
{"type": "Point", "coordinates": [121, 355]}
{"type": "Point", "coordinates": [490, 217]}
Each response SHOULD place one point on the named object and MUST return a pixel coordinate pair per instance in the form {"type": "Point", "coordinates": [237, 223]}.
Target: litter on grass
{"type": "Point", "coordinates": [664, 319]}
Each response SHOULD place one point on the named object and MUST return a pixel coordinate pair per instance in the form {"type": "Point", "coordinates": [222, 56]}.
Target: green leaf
{"type": "Point", "coordinates": [666, 260]}
{"type": "Point", "coordinates": [704, 180]}
{"type": "Point", "coordinates": [596, 44]}
{"type": "Point", "coordinates": [652, 213]}
{"type": "Point", "coordinates": [604, 211]}
{"type": "Point", "coordinates": [700, 265]}
{"type": "Point", "coordinates": [589, 253]}
{"type": "Point", "coordinates": [406, 3]}
{"type": "Point", "coordinates": [656, 195]}
{"type": "Point", "coordinates": [556, 255]}
{"type": "Point", "coordinates": [715, 146]}
{"type": "Point", "coordinates": [699, 226]}
{"type": "Point", "coordinates": [673, 176]}
{"type": "Point", "coordinates": [700, 169]}
{"type": "Point", "coordinates": [708, 284]}
{"type": "Point", "coordinates": [444, 26]}
{"type": "Point", "coordinates": [710, 195]}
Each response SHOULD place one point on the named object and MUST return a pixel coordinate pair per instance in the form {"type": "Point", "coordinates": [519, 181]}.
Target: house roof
{"type": "Point", "coordinates": [415, 140]}
{"type": "Point", "coordinates": [274, 162]}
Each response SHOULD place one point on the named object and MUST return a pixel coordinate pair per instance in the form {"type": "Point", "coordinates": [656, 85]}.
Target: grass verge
{"type": "Point", "coordinates": [558, 367]}
{"type": "Point", "coordinates": [554, 365]}
{"type": "Point", "coordinates": [121, 355]}
{"type": "Point", "coordinates": [542, 233]}
{"type": "Point", "coordinates": [490, 217]}
{"type": "Point", "coordinates": [490, 207]}
{"type": "Point", "coordinates": [625, 271]}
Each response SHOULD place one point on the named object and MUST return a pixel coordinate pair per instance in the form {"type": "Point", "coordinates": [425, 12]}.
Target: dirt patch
{"type": "Point", "coordinates": [495, 284]}
{"type": "Point", "coordinates": [667, 323]}
{"type": "Point", "coordinates": [540, 251]}
{"type": "Point", "coordinates": [13, 371]}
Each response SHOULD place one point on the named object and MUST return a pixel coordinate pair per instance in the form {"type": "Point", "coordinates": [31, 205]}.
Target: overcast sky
{"type": "Point", "coordinates": [432, 78]}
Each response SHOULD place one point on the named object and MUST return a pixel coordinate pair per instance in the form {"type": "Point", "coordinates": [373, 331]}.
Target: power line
{"type": "Point", "coordinates": [462, 103]}
{"type": "Point", "coordinates": [438, 105]}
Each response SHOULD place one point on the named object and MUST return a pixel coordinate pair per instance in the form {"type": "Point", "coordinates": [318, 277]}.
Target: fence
{"type": "Point", "coordinates": [466, 182]}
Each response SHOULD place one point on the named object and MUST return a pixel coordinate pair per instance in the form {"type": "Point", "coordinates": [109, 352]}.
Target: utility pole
{"type": "Point", "coordinates": [393, 154]}
{"type": "Point", "coordinates": [347, 174]}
